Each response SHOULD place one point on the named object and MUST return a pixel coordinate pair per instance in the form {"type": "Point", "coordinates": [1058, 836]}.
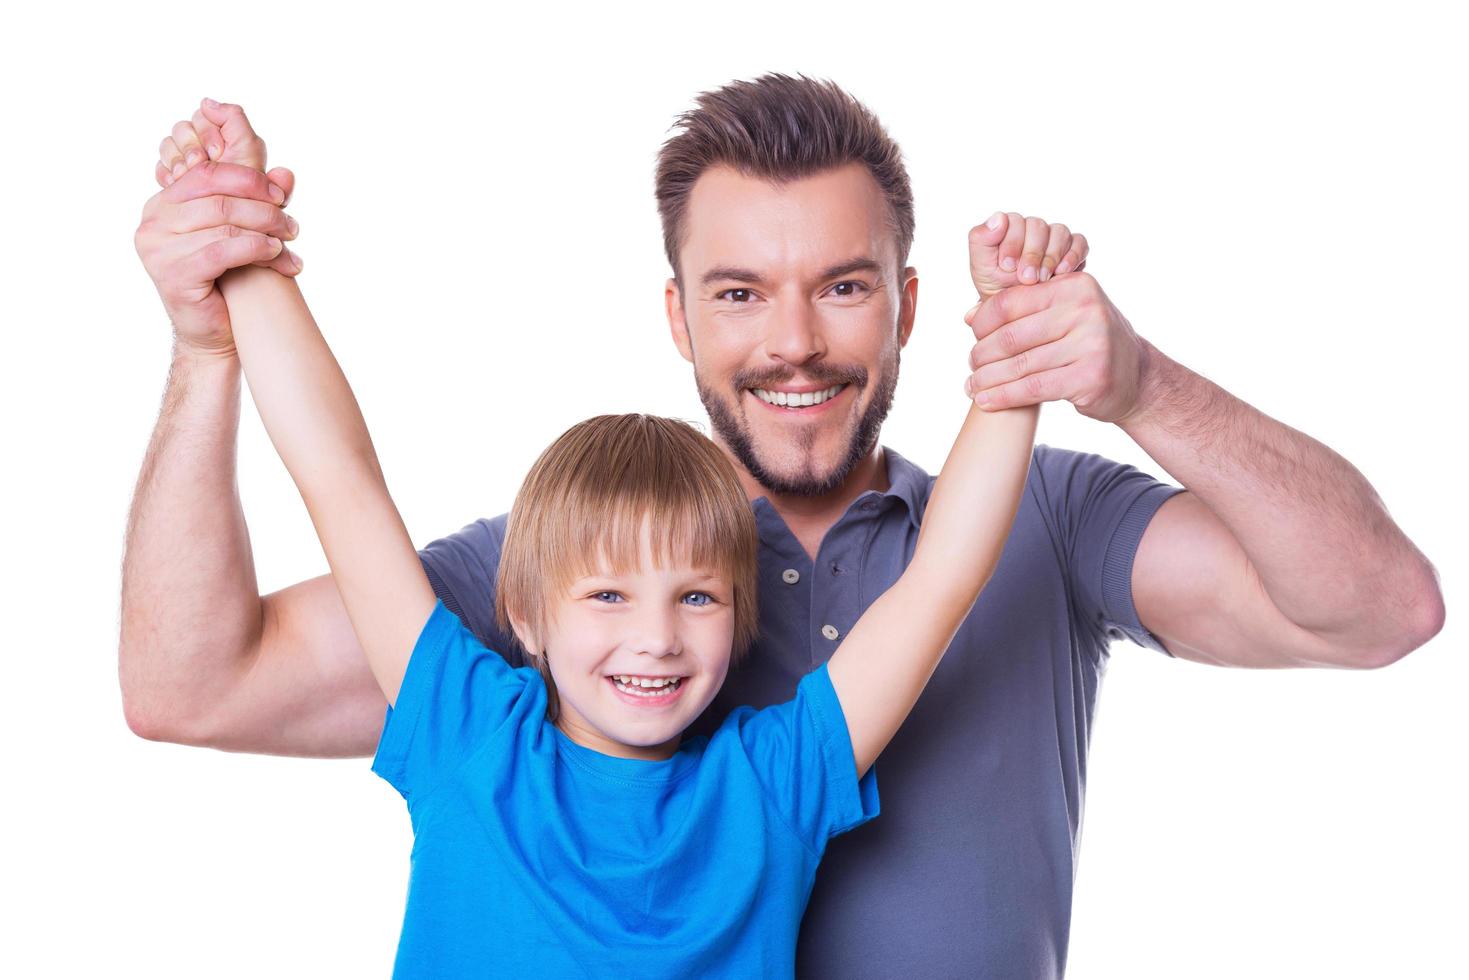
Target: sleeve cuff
{"type": "Point", "coordinates": [853, 801]}
{"type": "Point", "coordinates": [402, 719]}
{"type": "Point", "coordinates": [1120, 612]}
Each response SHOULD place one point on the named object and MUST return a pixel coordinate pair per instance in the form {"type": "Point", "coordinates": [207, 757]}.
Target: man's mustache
{"type": "Point", "coordinates": [826, 376]}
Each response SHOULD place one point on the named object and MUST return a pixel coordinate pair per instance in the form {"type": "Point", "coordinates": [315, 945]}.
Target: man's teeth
{"type": "Point", "coordinates": [645, 687]}
{"type": "Point", "coordinates": [794, 400]}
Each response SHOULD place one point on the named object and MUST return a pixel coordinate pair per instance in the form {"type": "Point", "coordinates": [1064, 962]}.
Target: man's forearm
{"type": "Point", "coordinates": [191, 609]}
{"type": "Point", "coordinates": [1327, 553]}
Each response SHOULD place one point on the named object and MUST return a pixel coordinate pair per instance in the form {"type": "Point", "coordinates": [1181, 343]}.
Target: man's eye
{"type": "Point", "coordinates": [743, 295]}
{"type": "Point", "coordinates": [856, 285]}
{"type": "Point", "coordinates": [704, 595]}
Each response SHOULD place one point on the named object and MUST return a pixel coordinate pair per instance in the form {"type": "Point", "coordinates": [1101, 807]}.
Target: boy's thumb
{"type": "Point", "coordinates": [230, 119]}
{"type": "Point", "coordinates": [991, 233]}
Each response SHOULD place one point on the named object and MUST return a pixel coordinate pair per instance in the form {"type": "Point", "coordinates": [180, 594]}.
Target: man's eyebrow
{"type": "Point", "coordinates": [731, 273]}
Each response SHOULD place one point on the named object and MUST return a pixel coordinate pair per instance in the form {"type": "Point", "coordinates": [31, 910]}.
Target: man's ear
{"type": "Point", "coordinates": [677, 325]}
{"type": "Point", "coordinates": [907, 305]}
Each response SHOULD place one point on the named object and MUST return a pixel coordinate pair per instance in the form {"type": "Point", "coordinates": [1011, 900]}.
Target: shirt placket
{"type": "Point", "coordinates": [835, 574]}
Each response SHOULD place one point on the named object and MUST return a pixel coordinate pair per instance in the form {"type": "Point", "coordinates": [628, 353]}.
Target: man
{"type": "Point", "coordinates": [787, 219]}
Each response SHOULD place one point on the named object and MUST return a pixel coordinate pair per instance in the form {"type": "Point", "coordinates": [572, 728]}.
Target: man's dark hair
{"type": "Point", "coordinates": [778, 128]}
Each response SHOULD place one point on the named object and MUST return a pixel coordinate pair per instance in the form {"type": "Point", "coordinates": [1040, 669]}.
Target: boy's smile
{"type": "Point", "coordinates": [637, 654]}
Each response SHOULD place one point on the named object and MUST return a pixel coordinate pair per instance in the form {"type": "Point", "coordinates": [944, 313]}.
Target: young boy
{"type": "Point", "coordinates": [563, 799]}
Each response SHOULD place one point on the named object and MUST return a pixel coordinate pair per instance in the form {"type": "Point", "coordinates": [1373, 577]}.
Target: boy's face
{"type": "Point", "coordinates": [791, 290]}
{"type": "Point", "coordinates": [637, 657]}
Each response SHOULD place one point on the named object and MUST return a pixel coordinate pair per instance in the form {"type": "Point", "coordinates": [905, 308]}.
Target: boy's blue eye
{"type": "Point", "coordinates": [617, 597]}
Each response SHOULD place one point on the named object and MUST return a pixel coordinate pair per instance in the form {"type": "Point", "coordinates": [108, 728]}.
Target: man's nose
{"type": "Point", "coordinates": [793, 333]}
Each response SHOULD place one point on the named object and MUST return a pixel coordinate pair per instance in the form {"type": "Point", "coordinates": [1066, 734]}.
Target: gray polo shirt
{"type": "Point", "coordinates": [969, 870]}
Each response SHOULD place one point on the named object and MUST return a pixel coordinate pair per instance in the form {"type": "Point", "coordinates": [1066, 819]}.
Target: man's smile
{"type": "Point", "coordinates": [799, 397]}
{"type": "Point", "coordinates": [801, 400]}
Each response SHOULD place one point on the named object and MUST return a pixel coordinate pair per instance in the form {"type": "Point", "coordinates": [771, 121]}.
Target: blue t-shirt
{"type": "Point", "coordinates": [536, 857]}
{"type": "Point", "coordinates": [970, 870]}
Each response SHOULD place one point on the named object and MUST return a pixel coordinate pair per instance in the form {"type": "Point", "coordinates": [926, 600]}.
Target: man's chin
{"type": "Point", "coordinates": [800, 467]}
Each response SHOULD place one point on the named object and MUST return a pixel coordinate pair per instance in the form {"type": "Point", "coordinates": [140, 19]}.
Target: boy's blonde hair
{"type": "Point", "coordinates": [589, 494]}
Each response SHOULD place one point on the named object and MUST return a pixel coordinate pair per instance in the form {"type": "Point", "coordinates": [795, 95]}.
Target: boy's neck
{"type": "Point", "coordinates": [809, 518]}
{"type": "Point", "coordinates": [589, 738]}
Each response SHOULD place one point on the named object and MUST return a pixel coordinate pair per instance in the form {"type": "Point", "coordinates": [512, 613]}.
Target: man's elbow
{"type": "Point", "coordinates": [155, 714]}
{"type": "Point", "coordinates": [1421, 621]}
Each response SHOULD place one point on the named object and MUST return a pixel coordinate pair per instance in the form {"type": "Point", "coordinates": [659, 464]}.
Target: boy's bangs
{"type": "Point", "coordinates": [606, 536]}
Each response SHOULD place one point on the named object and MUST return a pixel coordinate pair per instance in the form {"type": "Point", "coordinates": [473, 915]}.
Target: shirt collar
{"type": "Point", "coordinates": [907, 484]}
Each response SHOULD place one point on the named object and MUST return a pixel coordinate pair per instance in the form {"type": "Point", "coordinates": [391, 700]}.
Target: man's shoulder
{"type": "Point", "coordinates": [1050, 466]}
{"type": "Point", "coordinates": [462, 568]}
{"type": "Point", "coordinates": [483, 537]}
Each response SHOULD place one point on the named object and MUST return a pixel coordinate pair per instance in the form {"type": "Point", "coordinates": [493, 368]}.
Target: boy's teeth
{"type": "Point", "coordinates": [801, 400]}
{"type": "Point", "coordinates": [640, 685]}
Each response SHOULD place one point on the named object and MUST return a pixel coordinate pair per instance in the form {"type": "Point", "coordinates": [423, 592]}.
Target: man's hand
{"type": "Point", "coordinates": [1056, 340]}
{"type": "Point", "coordinates": [216, 212]}
{"type": "Point", "coordinates": [1010, 249]}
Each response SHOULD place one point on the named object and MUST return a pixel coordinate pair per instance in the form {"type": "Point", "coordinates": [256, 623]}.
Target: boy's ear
{"type": "Point", "coordinates": [526, 636]}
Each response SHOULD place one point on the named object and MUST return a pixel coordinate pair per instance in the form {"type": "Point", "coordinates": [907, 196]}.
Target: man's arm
{"type": "Point", "coordinates": [1281, 554]}
{"type": "Point", "coordinates": [203, 659]}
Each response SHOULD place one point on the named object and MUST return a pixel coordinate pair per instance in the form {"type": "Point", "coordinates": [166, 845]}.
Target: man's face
{"type": "Point", "coordinates": [793, 315]}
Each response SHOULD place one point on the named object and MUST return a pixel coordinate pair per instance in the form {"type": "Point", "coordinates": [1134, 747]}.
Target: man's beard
{"type": "Point", "coordinates": [804, 483]}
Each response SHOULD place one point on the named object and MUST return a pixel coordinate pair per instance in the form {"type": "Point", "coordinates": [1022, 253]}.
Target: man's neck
{"type": "Point", "coordinates": [809, 518]}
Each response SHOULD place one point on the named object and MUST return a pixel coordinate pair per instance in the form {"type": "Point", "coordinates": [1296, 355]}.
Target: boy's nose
{"type": "Point", "coordinates": [658, 634]}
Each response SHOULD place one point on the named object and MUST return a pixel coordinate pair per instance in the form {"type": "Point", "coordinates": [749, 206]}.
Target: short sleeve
{"type": "Point", "coordinates": [1099, 509]}
{"type": "Point", "coordinates": [802, 754]}
{"type": "Point", "coordinates": [456, 692]}
{"type": "Point", "coordinates": [462, 568]}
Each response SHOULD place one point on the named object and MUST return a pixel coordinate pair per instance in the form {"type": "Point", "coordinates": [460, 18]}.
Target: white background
{"type": "Point", "coordinates": [1275, 197]}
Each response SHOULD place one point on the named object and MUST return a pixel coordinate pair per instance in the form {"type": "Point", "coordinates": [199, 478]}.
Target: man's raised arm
{"type": "Point", "coordinates": [203, 658]}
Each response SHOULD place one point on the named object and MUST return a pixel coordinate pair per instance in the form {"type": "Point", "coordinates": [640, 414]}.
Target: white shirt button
{"type": "Point", "coordinates": [830, 632]}
{"type": "Point", "coordinates": [790, 576]}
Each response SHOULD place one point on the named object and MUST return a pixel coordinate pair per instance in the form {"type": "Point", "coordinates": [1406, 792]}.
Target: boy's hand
{"type": "Point", "coordinates": [217, 131]}
{"type": "Point", "coordinates": [1009, 249]}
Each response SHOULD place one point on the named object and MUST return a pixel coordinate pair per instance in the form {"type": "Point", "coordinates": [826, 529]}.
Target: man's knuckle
{"type": "Point", "coordinates": [1009, 340]}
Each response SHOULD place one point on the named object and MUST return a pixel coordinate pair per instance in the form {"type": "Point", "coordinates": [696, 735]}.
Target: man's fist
{"type": "Point", "coordinates": [1060, 340]}
{"type": "Point", "coordinates": [216, 212]}
{"type": "Point", "coordinates": [1009, 249]}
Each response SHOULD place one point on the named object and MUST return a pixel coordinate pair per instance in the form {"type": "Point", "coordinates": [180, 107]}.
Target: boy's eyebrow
{"type": "Point", "coordinates": [725, 273]}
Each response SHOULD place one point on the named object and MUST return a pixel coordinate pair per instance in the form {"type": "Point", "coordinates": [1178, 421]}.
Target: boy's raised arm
{"type": "Point", "coordinates": [884, 663]}
{"type": "Point", "coordinates": [315, 424]}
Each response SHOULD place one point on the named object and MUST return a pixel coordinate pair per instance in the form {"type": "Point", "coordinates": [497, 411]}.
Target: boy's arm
{"type": "Point", "coordinates": [884, 663]}
{"type": "Point", "coordinates": [317, 428]}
